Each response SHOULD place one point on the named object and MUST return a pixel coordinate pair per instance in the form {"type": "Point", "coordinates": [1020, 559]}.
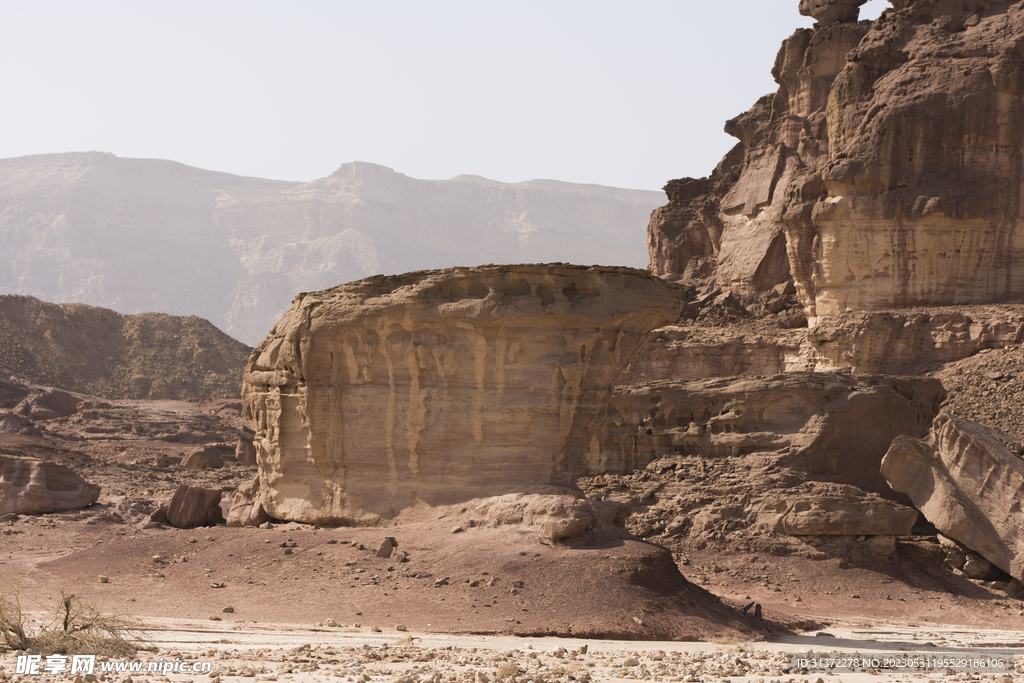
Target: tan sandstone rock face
{"type": "Point", "coordinates": [441, 386]}
{"type": "Point", "coordinates": [884, 172]}
{"type": "Point", "coordinates": [29, 487]}
{"type": "Point", "coordinates": [969, 483]}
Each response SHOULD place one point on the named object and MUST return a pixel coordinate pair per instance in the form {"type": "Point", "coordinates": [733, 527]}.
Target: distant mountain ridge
{"type": "Point", "coordinates": [141, 235]}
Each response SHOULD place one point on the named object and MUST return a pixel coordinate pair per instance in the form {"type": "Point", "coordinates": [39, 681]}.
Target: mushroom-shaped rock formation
{"type": "Point", "coordinates": [437, 387]}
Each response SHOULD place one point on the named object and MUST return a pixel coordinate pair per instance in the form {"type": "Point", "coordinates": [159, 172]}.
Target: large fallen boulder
{"type": "Point", "coordinates": [441, 386]}
{"type": "Point", "coordinates": [30, 486]}
{"type": "Point", "coordinates": [968, 481]}
{"type": "Point", "coordinates": [193, 506]}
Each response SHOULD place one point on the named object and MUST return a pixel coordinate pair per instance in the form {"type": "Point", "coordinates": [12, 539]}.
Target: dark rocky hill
{"type": "Point", "coordinates": [97, 351]}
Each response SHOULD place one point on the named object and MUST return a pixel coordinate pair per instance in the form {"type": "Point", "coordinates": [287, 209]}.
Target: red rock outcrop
{"type": "Point", "coordinates": [441, 386]}
{"type": "Point", "coordinates": [884, 172]}
{"type": "Point", "coordinates": [969, 482]}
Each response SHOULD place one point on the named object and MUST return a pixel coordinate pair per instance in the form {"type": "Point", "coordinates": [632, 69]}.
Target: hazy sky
{"type": "Point", "coordinates": [627, 94]}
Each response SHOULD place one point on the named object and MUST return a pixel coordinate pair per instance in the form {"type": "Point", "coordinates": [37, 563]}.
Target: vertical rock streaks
{"type": "Point", "coordinates": [441, 386]}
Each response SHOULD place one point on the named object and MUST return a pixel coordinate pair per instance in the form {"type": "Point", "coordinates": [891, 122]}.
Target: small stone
{"type": "Point", "coordinates": [440, 582]}
{"type": "Point", "coordinates": [214, 617]}
{"type": "Point", "coordinates": [375, 629]}
{"type": "Point", "coordinates": [288, 551]}
{"type": "Point", "coordinates": [331, 622]}
{"type": "Point", "coordinates": [104, 579]}
{"type": "Point", "coordinates": [400, 627]}
{"type": "Point", "coordinates": [387, 547]}
{"type": "Point", "coordinates": [457, 529]}
{"type": "Point", "coordinates": [977, 567]}
{"type": "Point", "coordinates": [228, 610]}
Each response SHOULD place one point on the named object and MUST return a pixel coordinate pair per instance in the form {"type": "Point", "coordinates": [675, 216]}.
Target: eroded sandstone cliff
{"type": "Point", "coordinates": [886, 170]}
{"type": "Point", "coordinates": [441, 386]}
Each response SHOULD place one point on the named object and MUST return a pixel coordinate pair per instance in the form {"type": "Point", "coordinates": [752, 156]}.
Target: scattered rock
{"type": "Point", "coordinates": [387, 547]}
{"type": "Point", "coordinates": [242, 507]}
{"type": "Point", "coordinates": [977, 567]}
{"type": "Point", "coordinates": [166, 461]}
{"type": "Point", "coordinates": [204, 458]}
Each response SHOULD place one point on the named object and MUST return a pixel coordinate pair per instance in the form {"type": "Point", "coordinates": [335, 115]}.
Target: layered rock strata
{"type": "Point", "coordinates": [753, 502]}
{"type": "Point", "coordinates": [969, 482]}
{"type": "Point", "coordinates": [835, 427]}
{"type": "Point", "coordinates": [897, 341]}
{"type": "Point", "coordinates": [440, 386]}
{"type": "Point", "coordinates": [884, 172]}
{"type": "Point", "coordinates": [29, 486]}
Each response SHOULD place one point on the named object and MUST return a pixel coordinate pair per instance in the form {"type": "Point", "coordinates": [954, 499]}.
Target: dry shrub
{"type": "Point", "coordinates": [12, 621]}
{"type": "Point", "coordinates": [71, 628]}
